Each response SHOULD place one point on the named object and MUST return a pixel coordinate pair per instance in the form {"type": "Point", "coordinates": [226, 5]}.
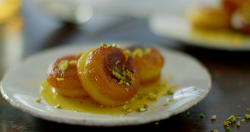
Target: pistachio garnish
{"type": "Point", "coordinates": [38, 99]}
{"type": "Point", "coordinates": [213, 117]}
{"type": "Point", "coordinates": [60, 79]}
{"type": "Point", "coordinates": [231, 118]}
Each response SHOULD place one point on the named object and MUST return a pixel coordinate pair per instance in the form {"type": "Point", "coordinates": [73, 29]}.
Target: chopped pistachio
{"type": "Point", "coordinates": [142, 109]}
{"type": "Point", "coordinates": [132, 82]}
{"type": "Point", "coordinates": [103, 45]}
{"type": "Point", "coordinates": [114, 45]}
{"type": "Point", "coordinates": [238, 123]}
{"type": "Point", "coordinates": [243, 120]}
{"type": "Point", "coordinates": [38, 99]}
{"type": "Point", "coordinates": [138, 52]}
{"type": "Point", "coordinates": [138, 109]}
{"type": "Point", "coordinates": [238, 117]}
{"type": "Point", "coordinates": [248, 109]}
{"type": "Point", "coordinates": [171, 100]}
{"type": "Point", "coordinates": [127, 83]}
{"type": "Point", "coordinates": [165, 104]}
{"type": "Point", "coordinates": [156, 123]}
{"type": "Point", "coordinates": [147, 51]}
{"type": "Point", "coordinates": [63, 65]}
{"type": "Point", "coordinates": [231, 118]}
{"type": "Point", "coordinates": [60, 79]}
{"type": "Point", "coordinates": [201, 115]}
{"type": "Point", "coordinates": [116, 74]}
{"type": "Point", "coordinates": [247, 116]}
{"type": "Point", "coordinates": [170, 91]}
{"type": "Point", "coordinates": [58, 106]}
{"type": "Point", "coordinates": [109, 46]}
{"type": "Point", "coordinates": [213, 117]}
{"type": "Point", "coordinates": [129, 111]}
{"type": "Point", "coordinates": [117, 62]}
{"type": "Point", "coordinates": [72, 62]}
{"type": "Point", "coordinates": [229, 129]}
{"type": "Point", "coordinates": [121, 82]}
{"type": "Point", "coordinates": [152, 97]}
{"type": "Point", "coordinates": [225, 123]}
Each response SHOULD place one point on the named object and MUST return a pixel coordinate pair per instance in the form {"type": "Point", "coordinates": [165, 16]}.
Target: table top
{"type": "Point", "coordinates": [230, 71]}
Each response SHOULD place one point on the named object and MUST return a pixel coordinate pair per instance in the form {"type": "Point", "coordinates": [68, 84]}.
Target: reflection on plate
{"type": "Point", "coordinates": [179, 28]}
{"type": "Point", "coordinates": [20, 87]}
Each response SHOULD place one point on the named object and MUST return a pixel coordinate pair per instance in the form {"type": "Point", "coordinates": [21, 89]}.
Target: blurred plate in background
{"type": "Point", "coordinates": [179, 28]}
{"type": "Point", "coordinates": [175, 25]}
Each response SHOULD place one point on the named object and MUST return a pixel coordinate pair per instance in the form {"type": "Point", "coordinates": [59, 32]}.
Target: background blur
{"type": "Point", "coordinates": [30, 26]}
{"type": "Point", "coordinates": [27, 27]}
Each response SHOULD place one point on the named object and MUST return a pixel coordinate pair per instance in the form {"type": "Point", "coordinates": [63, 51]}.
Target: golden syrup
{"type": "Point", "coordinates": [88, 105]}
{"type": "Point", "coordinates": [225, 37]}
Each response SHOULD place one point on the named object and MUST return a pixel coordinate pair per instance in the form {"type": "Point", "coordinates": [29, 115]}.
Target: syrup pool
{"type": "Point", "coordinates": [88, 105]}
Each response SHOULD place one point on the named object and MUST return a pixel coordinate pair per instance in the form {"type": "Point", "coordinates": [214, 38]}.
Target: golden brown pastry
{"type": "Point", "coordinates": [211, 18]}
{"type": "Point", "coordinates": [109, 75]}
{"type": "Point", "coordinates": [149, 62]}
{"type": "Point", "coordinates": [62, 75]}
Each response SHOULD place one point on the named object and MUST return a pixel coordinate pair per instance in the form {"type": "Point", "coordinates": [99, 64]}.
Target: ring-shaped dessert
{"type": "Point", "coordinates": [149, 62]}
{"type": "Point", "coordinates": [62, 75]}
{"type": "Point", "coordinates": [109, 75]}
{"type": "Point", "coordinates": [209, 18]}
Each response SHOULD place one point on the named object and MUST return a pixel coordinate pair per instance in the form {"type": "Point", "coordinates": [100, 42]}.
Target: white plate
{"type": "Point", "coordinates": [20, 87]}
{"type": "Point", "coordinates": [176, 26]}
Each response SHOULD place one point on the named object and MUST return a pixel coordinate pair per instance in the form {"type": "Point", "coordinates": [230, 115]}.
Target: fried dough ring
{"type": "Point", "coordinates": [71, 85]}
{"type": "Point", "coordinates": [149, 66]}
{"type": "Point", "coordinates": [95, 73]}
{"type": "Point", "coordinates": [209, 18]}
